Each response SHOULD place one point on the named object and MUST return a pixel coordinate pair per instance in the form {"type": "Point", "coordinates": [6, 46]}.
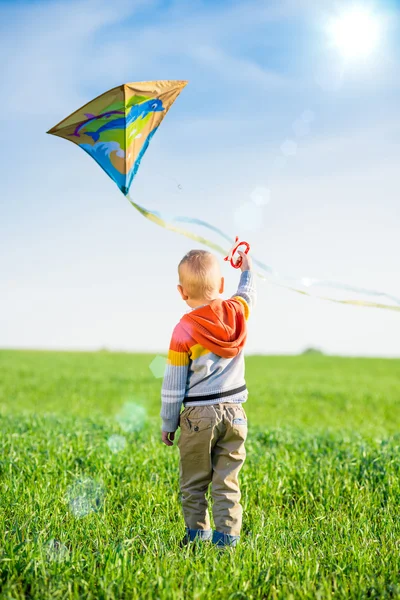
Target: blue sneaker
{"type": "Point", "coordinates": [195, 534]}
{"type": "Point", "coordinates": [225, 539]}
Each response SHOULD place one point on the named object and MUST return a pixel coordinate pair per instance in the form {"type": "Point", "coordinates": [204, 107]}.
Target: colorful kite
{"type": "Point", "coordinates": [116, 128]}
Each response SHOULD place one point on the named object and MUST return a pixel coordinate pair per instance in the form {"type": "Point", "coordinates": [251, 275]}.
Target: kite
{"type": "Point", "coordinates": [116, 128]}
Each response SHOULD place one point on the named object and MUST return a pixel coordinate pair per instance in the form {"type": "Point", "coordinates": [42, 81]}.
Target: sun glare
{"type": "Point", "coordinates": [355, 33]}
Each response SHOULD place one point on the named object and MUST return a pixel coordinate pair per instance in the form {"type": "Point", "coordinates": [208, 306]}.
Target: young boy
{"type": "Point", "coordinates": [205, 372]}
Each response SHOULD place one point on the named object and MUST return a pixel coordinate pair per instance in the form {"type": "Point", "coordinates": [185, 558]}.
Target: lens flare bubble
{"type": "Point", "coordinates": [56, 551]}
{"type": "Point", "coordinates": [85, 496]}
{"type": "Point", "coordinates": [261, 196]}
{"type": "Point", "coordinates": [116, 443]}
{"type": "Point", "coordinates": [289, 148]}
{"type": "Point", "coordinates": [131, 417]}
{"type": "Point", "coordinates": [157, 366]}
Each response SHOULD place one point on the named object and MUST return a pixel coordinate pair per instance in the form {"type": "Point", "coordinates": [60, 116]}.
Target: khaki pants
{"type": "Point", "coordinates": [211, 447]}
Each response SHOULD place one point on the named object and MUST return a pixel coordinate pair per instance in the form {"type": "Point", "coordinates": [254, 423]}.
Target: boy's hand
{"type": "Point", "coordinates": [167, 436]}
{"type": "Point", "coordinates": [247, 263]}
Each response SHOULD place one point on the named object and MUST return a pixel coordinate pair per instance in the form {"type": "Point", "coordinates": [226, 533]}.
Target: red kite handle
{"type": "Point", "coordinates": [238, 262]}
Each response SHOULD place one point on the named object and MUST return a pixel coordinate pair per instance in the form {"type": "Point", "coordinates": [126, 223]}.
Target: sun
{"type": "Point", "coordinates": [355, 33]}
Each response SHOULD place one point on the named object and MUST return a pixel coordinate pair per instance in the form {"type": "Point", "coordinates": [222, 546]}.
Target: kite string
{"type": "Point", "coordinates": [270, 270]}
{"type": "Point", "coordinates": [159, 219]}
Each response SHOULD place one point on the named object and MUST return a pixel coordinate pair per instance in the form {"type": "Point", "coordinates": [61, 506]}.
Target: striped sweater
{"type": "Point", "coordinates": [205, 360]}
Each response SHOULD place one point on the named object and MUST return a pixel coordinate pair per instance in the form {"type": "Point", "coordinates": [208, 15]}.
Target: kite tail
{"type": "Point", "coordinates": [157, 218]}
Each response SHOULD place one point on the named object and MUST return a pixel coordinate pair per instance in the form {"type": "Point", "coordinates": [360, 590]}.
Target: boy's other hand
{"type": "Point", "coordinates": [247, 263]}
{"type": "Point", "coordinates": [167, 437]}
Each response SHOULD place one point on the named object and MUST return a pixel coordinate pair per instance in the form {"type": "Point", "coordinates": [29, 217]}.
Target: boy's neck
{"type": "Point", "coordinates": [201, 303]}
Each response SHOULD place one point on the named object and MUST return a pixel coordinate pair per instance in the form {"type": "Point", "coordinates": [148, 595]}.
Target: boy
{"type": "Point", "coordinates": [205, 371]}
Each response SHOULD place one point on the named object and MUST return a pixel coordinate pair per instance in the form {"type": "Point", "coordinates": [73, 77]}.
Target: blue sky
{"type": "Point", "coordinates": [79, 268]}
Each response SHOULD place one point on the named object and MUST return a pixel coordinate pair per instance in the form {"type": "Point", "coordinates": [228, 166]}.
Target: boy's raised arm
{"type": "Point", "coordinates": [174, 383]}
{"type": "Point", "coordinates": [247, 289]}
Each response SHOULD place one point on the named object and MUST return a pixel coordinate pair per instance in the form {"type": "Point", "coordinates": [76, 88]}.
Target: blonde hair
{"type": "Point", "coordinates": [199, 274]}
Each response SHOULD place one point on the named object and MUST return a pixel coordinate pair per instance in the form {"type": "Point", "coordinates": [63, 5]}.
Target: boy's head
{"type": "Point", "coordinates": [200, 279]}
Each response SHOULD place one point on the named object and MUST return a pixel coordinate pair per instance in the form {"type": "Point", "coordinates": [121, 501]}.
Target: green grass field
{"type": "Point", "coordinates": [89, 496]}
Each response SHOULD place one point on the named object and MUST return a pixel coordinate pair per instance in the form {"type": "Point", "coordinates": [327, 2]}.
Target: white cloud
{"type": "Point", "coordinates": [236, 69]}
{"type": "Point", "coordinates": [55, 52]}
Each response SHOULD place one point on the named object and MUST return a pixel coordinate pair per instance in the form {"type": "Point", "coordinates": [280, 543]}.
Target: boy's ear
{"type": "Point", "coordinates": [182, 293]}
{"type": "Point", "coordinates": [222, 286]}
